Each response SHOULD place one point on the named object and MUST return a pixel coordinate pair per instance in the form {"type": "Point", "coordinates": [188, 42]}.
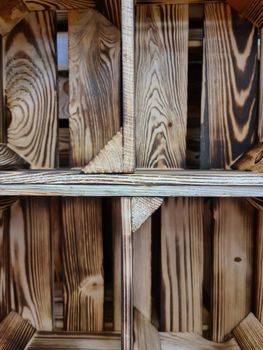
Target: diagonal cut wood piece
{"type": "Point", "coordinates": [251, 160]}
{"type": "Point", "coordinates": [111, 10]}
{"type": "Point", "coordinates": [10, 160]}
{"type": "Point", "coordinates": [249, 333]}
{"type": "Point", "coordinates": [146, 336]}
{"type": "Point", "coordinates": [109, 159]}
{"type": "Point", "coordinates": [11, 13]}
{"type": "Point", "coordinates": [142, 209]}
{"type": "Point", "coordinates": [15, 332]}
{"type": "Point", "coordinates": [6, 202]}
{"type": "Point", "coordinates": [191, 341]}
{"type": "Point", "coordinates": [251, 9]}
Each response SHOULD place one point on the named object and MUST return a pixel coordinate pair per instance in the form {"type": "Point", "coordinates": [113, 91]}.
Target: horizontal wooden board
{"type": "Point", "coordinates": [38, 5]}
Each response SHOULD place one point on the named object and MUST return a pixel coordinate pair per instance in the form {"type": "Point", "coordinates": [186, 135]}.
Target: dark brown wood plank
{"type": "Point", "coordinates": [10, 160]}
{"type": "Point", "coordinates": [111, 9]}
{"type": "Point", "coordinates": [249, 333]}
{"type": "Point", "coordinates": [11, 13]}
{"type": "Point", "coordinates": [39, 5]}
{"type": "Point", "coordinates": [260, 127]}
{"type": "Point", "coordinates": [259, 267]}
{"type": "Point", "coordinates": [161, 85]}
{"type": "Point", "coordinates": [233, 236]}
{"type": "Point", "coordinates": [229, 121]}
{"type": "Point", "coordinates": [30, 260]}
{"type": "Point", "coordinates": [251, 9]}
{"type": "Point", "coordinates": [181, 265]}
{"type": "Point", "coordinates": [146, 335]}
{"type": "Point", "coordinates": [30, 89]}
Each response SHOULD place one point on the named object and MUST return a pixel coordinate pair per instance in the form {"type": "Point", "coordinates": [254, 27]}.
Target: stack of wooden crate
{"type": "Point", "coordinates": [105, 241]}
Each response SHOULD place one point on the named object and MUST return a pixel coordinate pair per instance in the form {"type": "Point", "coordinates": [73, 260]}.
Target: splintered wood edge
{"type": "Point", "coordinates": [142, 209]}
{"type": "Point", "coordinates": [11, 15]}
{"type": "Point", "coordinates": [110, 158]}
{"type": "Point", "coordinates": [9, 159]}
{"type": "Point", "coordinates": [249, 333]}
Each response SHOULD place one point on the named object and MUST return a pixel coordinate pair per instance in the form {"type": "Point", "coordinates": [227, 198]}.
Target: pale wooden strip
{"type": "Point", "coordinates": [15, 332]}
{"type": "Point", "coordinates": [10, 160]}
{"type": "Point", "coordinates": [249, 333]}
{"type": "Point", "coordinates": [251, 9]}
{"type": "Point", "coordinates": [233, 235]}
{"type": "Point", "coordinates": [146, 337]}
{"type": "Point", "coordinates": [38, 5]}
{"type": "Point", "coordinates": [142, 209]}
{"type": "Point", "coordinates": [182, 265]}
{"type": "Point", "coordinates": [30, 260]}
{"type": "Point", "coordinates": [259, 267]}
{"type": "Point", "coordinates": [11, 13]}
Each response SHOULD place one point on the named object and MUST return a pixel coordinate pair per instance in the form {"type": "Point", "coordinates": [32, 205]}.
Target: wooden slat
{"type": "Point", "coordinates": [111, 9]}
{"type": "Point", "coordinates": [249, 333]}
{"type": "Point", "coordinates": [233, 233]}
{"type": "Point", "coordinates": [251, 160]}
{"type": "Point", "coordinates": [30, 88]}
{"type": "Point", "coordinates": [161, 85]}
{"type": "Point", "coordinates": [229, 122]}
{"type": "Point", "coordinates": [259, 267]}
{"type": "Point", "coordinates": [30, 257]}
{"type": "Point", "coordinates": [38, 5]}
{"type": "Point", "coordinates": [15, 332]}
{"type": "Point", "coordinates": [64, 147]}
{"type": "Point", "coordinates": [142, 209]}
{"type": "Point", "coordinates": [251, 9]}
{"type": "Point", "coordinates": [181, 265]}
{"type": "Point", "coordinates": [94, 64]}
{"type": "Point", "coordinates": [11, 13]}
{"type": "Point", "coordinates": [10, 160]}
{"type": "Point", "coordinates": [177, 2]}
{"type": "Point", "coordinates": [145, 335]}
{"type": "Point", "coordinates": [83, 264]}
{"type": "Point", "coordinates": [260, 114]}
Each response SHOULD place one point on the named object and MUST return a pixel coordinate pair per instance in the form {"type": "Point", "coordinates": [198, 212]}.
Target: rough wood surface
{"type": "Point", "coordinates": [39, 5]}
{"type": "Point", "coordinates": [229, 121]}
{"type": "Point", "coordinates": [30, 89]}
{"type": "Point", "coordinates": [233, 233]}
{"type": "Point", "coordinates": [251, 9]}
{"type": "Point", "coordinates": [181, 265]}
{"type": "Point", "coordinates": [10, 160]}
{"type": "Point", "coordinates": [142, 209]}
{"type": "Point", "coordinates": [161, 85]}
{"type": "Point", "coordinates": [249, 333]}
{"type": "Point", "coordinates": [94, 64]}
{"type": "Point", "coordinates": [30, 260]}
{"type": "Point", "coordinates": [83, 264]}
{"type": "Point", "coordinates": [63, 84]}
{"type": "Point", "coordinates": [190, 341]}
{"type": "Point", "coordinates": [11, 13]}
{"type": "Point", "coordinates": [251, 160]}
{"type": "Point", "coordinates": [15, 332]}
{"type": "Point", "coordinates": [111, 9]}
{"type": "Point", "coordinates": [260, 112]}
{"type": "Point", "coordinates": [64, 147]}
{"type": "Point", "coordinates": [146, 335]}
{"type": "Point", "coordinates": [259, 267]}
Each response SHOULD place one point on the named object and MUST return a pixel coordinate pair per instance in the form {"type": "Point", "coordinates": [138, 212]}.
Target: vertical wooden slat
{"type": "Point", "coordinates": [230, 94]}
{"type": "Point", "coordinates": [260, 115]}
{"type": "Point", "coordinates": [232, 264]}
{"type": "Point", "coordinates": [259, 267]}
{"type": "Point", "coordinates": [30, 260]}
{"type": "Point", "coordinates": [161, 85]}
{"type": "Point", "coordinates": [30, 89]}
{"type": "Point", "coordinates": [182, 265]}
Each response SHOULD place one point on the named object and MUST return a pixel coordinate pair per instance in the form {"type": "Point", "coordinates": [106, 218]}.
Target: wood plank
{"type": "Point", "coordinates": [251, 9]}
{"type": "Point", "coordinates": [161, 85]}
{"type": "Point", "coordinates": [249, 333]}
{"type": "Point", "coordinates": [94, 64]}
{"type": "Point", "coordinates": [63, 84]}
{"type": "Point", "coordinates": [10, 160]}
{"type": "Point", "coordinates": [181, 265]}
{"type": "Point", "coordinates": [82, 251]}
{"type": "Point", "coordinates": [230, 120]}
{"type": "Point", "coordinates": [111, 9]}
{"type": "Point", "coordinates": [30, 257]}
{"type": "Point", "coordinates": [252, 160]}
{"type": "Point", "coordinates": [30, 89]}
{"type": "Point", "coordinates": [15, 332]}
{"type": "Point", "coordinates": [178, 2]}
{"type": "Point", "coordinates": [64, 147]}
{"type": "Point", "coordinates": [259, 267]}
{"type": "Point", "coordinates": [233, 233]}
{"type": "Point", "coordinates": [11, 13]}
{"type": "Point", "coordinates": [142, 209]}
{"type": "Point", "coordinates": [39, 5]}
{"type": "Point", "coordinates": [260, 118]}
{"type": "Point", "coordinates": [145, 335]}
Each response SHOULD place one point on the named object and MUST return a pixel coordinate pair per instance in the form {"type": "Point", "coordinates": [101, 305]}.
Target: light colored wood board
{"type": "Point", "coordinates": [260, 114]}
{"type": "Point", "coordinates": [259, 267]}
{"type": "Point", "coordinates": [11, 13]}
{"type": "Point", "coordinates": [30, 89]}
{"type": "Point", "coordinates": [94, 64]}
{"type": "Point", "coordinates": [161, 85]}
{"type": "Point", "coordinates": [127, 289]}
{"type": "Point", "coordinates": [64, 147]}
{"type": "Point", "coordinates": [75, 341]}
{"type": "Point", "coordinates": [109, 159]}
{"type": "Point", "coordinates": [182, 265]}
{"type": "Point", "coordinates": [233, 235]}
{"type": "Point", "coordinates": [251, 9]}
{"type": "Point", "coordinates": [142, 209]}
{"type": "Point", "coordinates": [111, 9]}
{"type": "Point", "coordinates": [142, 269]}
{"type": "Point", "coordinates": [249, 333]}
{"type": "Point", "coordinates": [39, 5]}
{"type": "Point", "coordinates": [30, 260]}
{"type": "Point", "coordinates": [15, 332]}
{"type": "Point", "coordinates": [82, 252]}
{"type": "Point", "coordinates": [10, 160]}
{"type": "Point", "coordinates": [190, 341]}
{"type": "Point", "coordinates": [4, 264]}
{"type": "Point", "coordinates": [252, 160]}
{"type": "Point", "coordinates": [146, 335]}
{"type": "Point", "coordinates": [230, 120]}
{"type": "Point", "coordinates": [128, 84]}
{"type": "Point", "coordinates": [63, 84]}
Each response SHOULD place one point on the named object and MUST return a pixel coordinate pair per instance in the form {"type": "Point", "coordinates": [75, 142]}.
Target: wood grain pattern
{"type": "Point", "coordinates": [161, 85]}
{"type": "Point", "coordinates": [178, 2]}
{"type": "Point", "coordinates": [30, 88]}
{"type": "Point", "coordinates": [94, 63]}
{"type": "Point", "coordinates": [142, 209]}
{"type": "Point", "coordinates": [15, 332]}
{"type": "Point", "coordinates": [39, 5]}
{"type": "Point", "coordinates": [10, 160]}
{"type": "Point", "coordinates": [111, 9]}
{"type": "Point", "coordinates": [182, 265]}
{"type": "Point", "coordinates": [259, 267]}
{"type": "Point", "coordinates": [233, 233]}
{"type": "Point", "coordinates": [251, 9]}
{"type": "Point", "coordinates": [83, 264]}
{"type": "Point", "coordinates": [251, 160]}
{"type": "Point", "coordinates": [249, 333]}
{"type": "Point", "coordinates": [145, 335]}
{"type": "Point", "coordinates": [229, 123]}
{"type": "Point", "coordinates": [30, 257]}
{"type": "Point", "coordinates": [11, 13]}
{"type": "Point", "coordinates": [63, 84]}
{"type": "Point", "coordinates": [64, 147]}
{"type": "Point", "coordinates": [260, 114]}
